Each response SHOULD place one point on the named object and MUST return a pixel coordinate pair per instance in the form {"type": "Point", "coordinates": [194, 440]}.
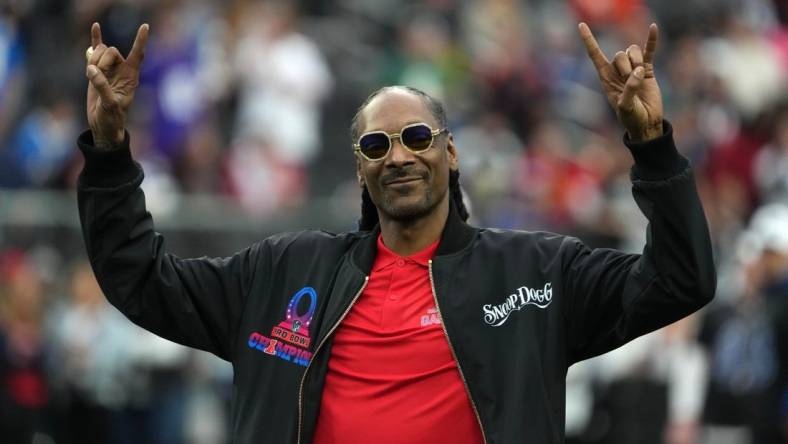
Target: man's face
{"type": "Point", "coordinates": [403, 185]}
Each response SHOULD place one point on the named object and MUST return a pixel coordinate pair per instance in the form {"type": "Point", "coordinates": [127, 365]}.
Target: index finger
{"type": "Point", "coordinates": [95, 35]}
{"type": "Point", "coordinates": [594, 53]}
{"type": "Point", "coordinates": [137, 52]}
{"type": "Point", "coordinates": [651, 44]}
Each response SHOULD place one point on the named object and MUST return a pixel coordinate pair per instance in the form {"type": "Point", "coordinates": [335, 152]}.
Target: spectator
{"type": "Point", "coordinates": [12, 70]}
{"type": "Point", "coordinates": [747, 337]}
{"type": "Point", "coordinates": [283, 80]}
{"type": "Point", "coordinates": [41, 147]}
{"type": "Point", "coordinates": [24, 389]}
{"type": "Point", "coordinates": [92, 370]}
{"type": "Point", "coordinates": [771, 163]}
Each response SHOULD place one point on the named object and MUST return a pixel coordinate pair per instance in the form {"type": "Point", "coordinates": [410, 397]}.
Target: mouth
{"type": "Point", "coordinates": [403, 180]}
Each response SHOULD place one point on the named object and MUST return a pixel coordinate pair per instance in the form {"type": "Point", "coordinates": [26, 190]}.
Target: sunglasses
{"type": "Point", "coordinates": [416, 137]}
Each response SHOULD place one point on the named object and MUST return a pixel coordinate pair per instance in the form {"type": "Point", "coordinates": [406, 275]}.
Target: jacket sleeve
{"type": "Point", "coordinates": [194, 302]}
{"type": "Point", "coordinates": [615, 297]}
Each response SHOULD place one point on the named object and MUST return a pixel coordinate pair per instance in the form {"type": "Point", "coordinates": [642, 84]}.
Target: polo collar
{"type": "Point", "coordinates": [386, 257]}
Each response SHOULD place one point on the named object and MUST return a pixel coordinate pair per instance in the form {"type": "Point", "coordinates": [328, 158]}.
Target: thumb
{"type": "Point", "coordinates": [99, 81]}
{"type": "Point", "coordinates": [627, 101]}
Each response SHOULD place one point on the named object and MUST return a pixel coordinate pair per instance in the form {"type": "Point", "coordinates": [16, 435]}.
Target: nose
{"type": "Point", "coordinates": [399, 155]}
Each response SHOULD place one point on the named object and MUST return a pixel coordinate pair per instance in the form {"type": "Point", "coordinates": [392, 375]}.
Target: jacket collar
{"type": "Point", "coordinates": [455, 236]}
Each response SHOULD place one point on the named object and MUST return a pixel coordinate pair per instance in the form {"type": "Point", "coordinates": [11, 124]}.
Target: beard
{"type": "Point", "coordinates": [409, 204]}
{"type": "Point", "coordinates": [404, 208]}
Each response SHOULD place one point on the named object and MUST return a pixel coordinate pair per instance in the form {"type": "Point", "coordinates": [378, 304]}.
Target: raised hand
{"type": "Point", "coordinates": [629, 84]}
{"type": "Point", "coordinates": [112, 83]}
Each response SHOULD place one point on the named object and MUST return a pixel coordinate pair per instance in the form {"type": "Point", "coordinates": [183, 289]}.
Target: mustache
{"type": "Point", "coordinates": [399, 173]}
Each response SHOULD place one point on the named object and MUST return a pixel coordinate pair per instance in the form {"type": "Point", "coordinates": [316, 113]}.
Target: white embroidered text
{"type": "Point", "coordinates": [496, 315]}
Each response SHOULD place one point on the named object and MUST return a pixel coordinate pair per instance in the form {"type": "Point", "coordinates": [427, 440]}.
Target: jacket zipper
{"type": "Point", "coordinates": [457, 361]}
{"type": "Point", "coordinates": [328, 335]}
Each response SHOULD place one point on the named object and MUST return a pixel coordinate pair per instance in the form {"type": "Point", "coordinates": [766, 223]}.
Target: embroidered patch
{"type": "Point", "coordinates": [290, 338]}
{"type": "Point", "coordinates": [496, 315]}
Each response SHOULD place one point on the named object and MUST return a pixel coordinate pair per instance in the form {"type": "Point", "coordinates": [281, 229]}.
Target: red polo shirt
{"type": "Point", "coordinates": [391, 376]}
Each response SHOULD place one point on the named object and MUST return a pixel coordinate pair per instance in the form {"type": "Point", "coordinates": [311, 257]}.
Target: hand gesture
{"type": "Point", "coordinates": [112, 83]}
{"type": "Point", "coordinates": [629, 84]}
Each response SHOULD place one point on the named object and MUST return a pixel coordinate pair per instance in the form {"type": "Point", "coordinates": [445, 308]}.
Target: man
{"type": "Point", "coordinates": [418, 327]}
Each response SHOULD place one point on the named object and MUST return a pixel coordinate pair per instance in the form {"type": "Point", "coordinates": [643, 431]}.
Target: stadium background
{"type": "Point", "coordinates": [241, 123]}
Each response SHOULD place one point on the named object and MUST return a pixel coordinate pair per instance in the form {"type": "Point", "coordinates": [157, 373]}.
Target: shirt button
{"type": "Point", "coordinates": [401, 262]}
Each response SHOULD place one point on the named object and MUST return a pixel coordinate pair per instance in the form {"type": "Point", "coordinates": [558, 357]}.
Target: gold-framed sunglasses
{"type": "Point", "coordinates": [416, 138]}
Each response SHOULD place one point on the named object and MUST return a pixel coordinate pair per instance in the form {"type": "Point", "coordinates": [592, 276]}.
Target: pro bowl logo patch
{"type": "Point", "coordinates": [290, 338]}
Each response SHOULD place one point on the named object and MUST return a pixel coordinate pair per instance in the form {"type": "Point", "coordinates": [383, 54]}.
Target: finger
{"type": "Point", "coordinates": [651, 43]}
{"type": "Point", "coordinates": [621, 62]}
{"type": "Point", "coordinates": [627, 101]}
{"type": "Point", "coordinates": [109, 59]}
{"type": "Point", "coordinates": [592, 47]}
{"type": "Point", "coordinates": [98, 51]}
{"type": "Point", "coordinates": [635, 55]}
{"type": "Point", "coordinates": [95, 35]}
{"type": "Point", "coordinates": [99, 81]}
{"type": "Point", "coordinates": [137, 52]}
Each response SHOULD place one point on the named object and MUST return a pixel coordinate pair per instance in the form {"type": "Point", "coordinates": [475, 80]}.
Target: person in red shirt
{"type": "Point", "coordinates": [391, 374]}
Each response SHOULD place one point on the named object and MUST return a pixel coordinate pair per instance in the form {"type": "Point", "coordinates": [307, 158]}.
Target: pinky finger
{"type": "Point", "coordinates": [95, 35]}
{"type": "Point", "coordinates": [651, 43]}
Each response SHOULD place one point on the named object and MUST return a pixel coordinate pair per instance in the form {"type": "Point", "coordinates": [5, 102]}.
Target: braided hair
{"type": "Point", "coordinates": [369, 212]}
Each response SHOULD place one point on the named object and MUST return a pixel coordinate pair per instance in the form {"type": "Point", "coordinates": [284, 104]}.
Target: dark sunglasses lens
{"type": "Point", "coordinates": [374, 146]}
{"type": "Point", "coordinates": [417, 138]}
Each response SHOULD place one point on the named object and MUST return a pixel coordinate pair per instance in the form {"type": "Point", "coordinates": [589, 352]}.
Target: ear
{"type": "Point", "coordinates": [451, 150]}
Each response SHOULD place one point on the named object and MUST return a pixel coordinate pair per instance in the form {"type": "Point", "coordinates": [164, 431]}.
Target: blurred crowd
{"type": "Point", "coordinates": [250, 101]}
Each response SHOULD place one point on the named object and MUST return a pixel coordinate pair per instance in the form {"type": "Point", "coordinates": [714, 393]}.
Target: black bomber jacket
{"type": "Point", "coordinates": [518, 307]}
